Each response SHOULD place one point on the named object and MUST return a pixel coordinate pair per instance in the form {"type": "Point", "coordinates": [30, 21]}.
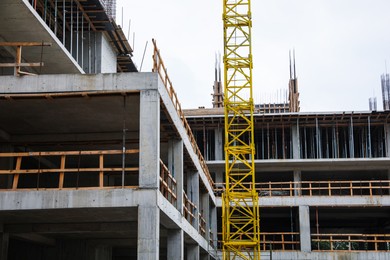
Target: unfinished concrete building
{"type": "Point", "coordinates": [323, 181]}
{"type": "Point", "coordinates": [106, 166]}
{"type": "Point", "coordinates": [97, 166]}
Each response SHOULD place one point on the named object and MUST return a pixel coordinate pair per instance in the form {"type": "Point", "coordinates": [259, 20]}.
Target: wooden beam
{"type": "Point", "coordinates": [23, 64]}
{"type": "Point", "coordinates": [15, 44]}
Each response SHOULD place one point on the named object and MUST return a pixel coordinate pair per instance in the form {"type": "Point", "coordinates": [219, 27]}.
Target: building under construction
{"type": "Point", "coordinates": [109, 166]}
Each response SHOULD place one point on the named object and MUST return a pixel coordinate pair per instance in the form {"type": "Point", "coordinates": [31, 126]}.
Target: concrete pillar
{"type": "Point", "coordinates": [4, 241]}
{"type": "Point", "coordinates": [193, 193]}
{"type": "Point", "coordinates": [193, 252]}
{"type": "Point", "coordinates": [297, 183]}
{"type": "Point", "coordinates": [175, 244]}
{"type": "Point", "coordinates": [148, 233]}
{"type": "Point", "coordinates": [175, 166]}
{"type": "Point", "coordinates": [304, 228]}
{"type": "Point", "coordinates": [218, 143]}
{"type": "Point", "coordinates": [6, 163]}
{"type": "Point", "coordinates": [205, 210]}
{"type": "Point", "coordinates": [295, 140]}
{"type": "Point", "coordinates": [213, 225]}
{"type": "Point", "coordinates": [149, 157]}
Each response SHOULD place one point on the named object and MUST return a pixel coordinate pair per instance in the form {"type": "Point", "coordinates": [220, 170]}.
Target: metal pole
{"type": "Point", "coordinates": [77, 34]}
{"type": "Point", "coordinates": [82, 42]}
{"type": "Point", "coordinates": [55, 17]}
{"type": "Point", "coordinates": [71, 28]}
{"type": "Point", "coordinates": [369, 137]}
{"type": "Point", "coordinates": [63, 22]}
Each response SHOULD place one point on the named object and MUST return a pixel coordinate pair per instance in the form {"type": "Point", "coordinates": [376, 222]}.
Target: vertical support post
{"type": "Point", "coordinates": [4, 241]}
{"type": "Point", "coordinates": [61, 178]}
{"type": "Point", "coordinates": [304, 228]}
{"type": "Point", "coordinates": [206, 214]}
{"type": "Point", "coordinates": [176, 166]}
{"type": "Point", "coordinates": [71, 28]}
{"type": "Point", "coordinates": [193, 193]}
{"type": "Point", "coordinates": [295, 140]}
{"type": "Point", "coordinates": [351, 140]}
{"type": "Point", "coordinates": [175, 250]}
{"type": "Point", "coordinates": [63, 22]}
{"type": "Point", "coordinates": [213, 226]}
{"type": "Point", "coordinates": [149, 139]}
{"type": "Point", "coordinates": [148, 232]}
{"type": "Point", "coordinates": [297, 183]}
{"type": "Point", "coordinates": [387, 140]}
{"type": "Point", "coordinates": [193, 252]}
{"type": "Point", "coordinates": [18, 60]}
{"type": "Point", "coordinates": [218, 144]}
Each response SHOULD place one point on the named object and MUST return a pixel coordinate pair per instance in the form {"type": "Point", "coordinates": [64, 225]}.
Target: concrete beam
{"type": "Point", "coordinates": [115, 82]}
{"type": "Point", "coordinates": [345, 201]}
{"type": "Point", "coordinates": [63, 199]}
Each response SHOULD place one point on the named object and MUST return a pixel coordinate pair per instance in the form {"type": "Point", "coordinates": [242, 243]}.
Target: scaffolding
{"type": "Point", "coordinates": [240, 211]}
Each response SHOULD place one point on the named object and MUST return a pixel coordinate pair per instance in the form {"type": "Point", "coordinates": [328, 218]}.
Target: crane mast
{"type": "Point", "coordinates": [240, 211]}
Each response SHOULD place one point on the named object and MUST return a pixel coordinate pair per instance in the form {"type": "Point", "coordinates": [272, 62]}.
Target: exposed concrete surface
{"type": "Point", "coordinates": [78, 83]}
{"type": "Point", "coordinates": [347, 201]}
{"type": "Point", "coordinates": [20, 23]}
{"type": "Point", "coordinates": [326, 255]}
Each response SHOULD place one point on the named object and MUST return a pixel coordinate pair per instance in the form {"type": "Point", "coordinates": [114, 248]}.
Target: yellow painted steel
{"type": "Point", "coordinates": [240, 212]}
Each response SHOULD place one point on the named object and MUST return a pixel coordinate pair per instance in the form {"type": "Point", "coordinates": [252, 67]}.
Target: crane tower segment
{"type": "Point", "coordinates": [240, 212]}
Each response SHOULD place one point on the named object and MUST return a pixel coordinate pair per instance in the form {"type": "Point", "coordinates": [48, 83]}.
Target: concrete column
{"type": "Point", "coordinates": [205, 256]}
{"type": "Point", "coordinates": [149, 157]}
{"type": "Point", "coordinates": [175, 244]}
{"type": "Point", "coordinates": [193, 252]}
{"type": "Point", "coordinates": [218, 143]}
{"type": "Point", "coordinates": [6, 163]}
{"type": "Point", "coordinates": [4, 241]}
{"type": "Point", "coordinates": [148, 233]}
{"type": "Point", "coordinates": [297, 183]}
{"type": "Point", "coordinates": [295, 140]}
{"type": "Point", "coordinates": [304, 228]}
{"type": "Point", "coordinates": [193, 193]}
{"type": "Point", "coordinates": [213, 225]}
{"type": "Point", "coordinates": [205, 210]}
{"type": "Point", "coordinates": [175, 166]}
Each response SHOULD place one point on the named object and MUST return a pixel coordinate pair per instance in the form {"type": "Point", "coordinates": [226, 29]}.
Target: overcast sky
{"type": "Point", "coordinates": [340, 45]}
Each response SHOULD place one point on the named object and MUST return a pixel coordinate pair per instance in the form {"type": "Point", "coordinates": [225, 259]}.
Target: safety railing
{"type": "Point", "coordinates": [67, 170]}
{"type": "Point", "coordinates": [159, 67]}
{"type": "Point", "coordinates": [350, 242]}
{"type": "Point", "coordinates": [275, 241]}
{"type": "Point", "coordinates": [320, 188]}
{"type": "Point", "coordinates": [202, 225]}
{"type": "Point", "coordinates": [190, 209]}
{"type": "Point", "coordinates": [168, 184]}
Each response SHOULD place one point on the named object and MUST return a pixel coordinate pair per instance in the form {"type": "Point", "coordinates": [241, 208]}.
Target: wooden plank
{"type": "Point", "coordinates": [101, 173]}
{"type": "Point", "coordinates": [15, 44]}
{"type": "Point", "coordinates": [61, 179]}
{"type": "Point", "coordinates": [16, 176]}
{"type": "Point", "coordinates": [27, 154]}
{"type": "Point", "coordinates": [23, 64]}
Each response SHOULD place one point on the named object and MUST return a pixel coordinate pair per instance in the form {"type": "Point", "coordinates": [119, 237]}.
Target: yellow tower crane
{"type": "Point", "coordinates": [240, 212]}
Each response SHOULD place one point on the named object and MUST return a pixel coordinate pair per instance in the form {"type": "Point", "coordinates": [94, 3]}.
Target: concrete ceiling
{"type": "Point", "coordinates": [70, 115]}
{"type": "Point", "coordinates": [20, 23]}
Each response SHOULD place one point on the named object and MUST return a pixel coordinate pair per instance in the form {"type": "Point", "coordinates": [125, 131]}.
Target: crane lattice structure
{"type": "Point", "coordinates": [241, 220]}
